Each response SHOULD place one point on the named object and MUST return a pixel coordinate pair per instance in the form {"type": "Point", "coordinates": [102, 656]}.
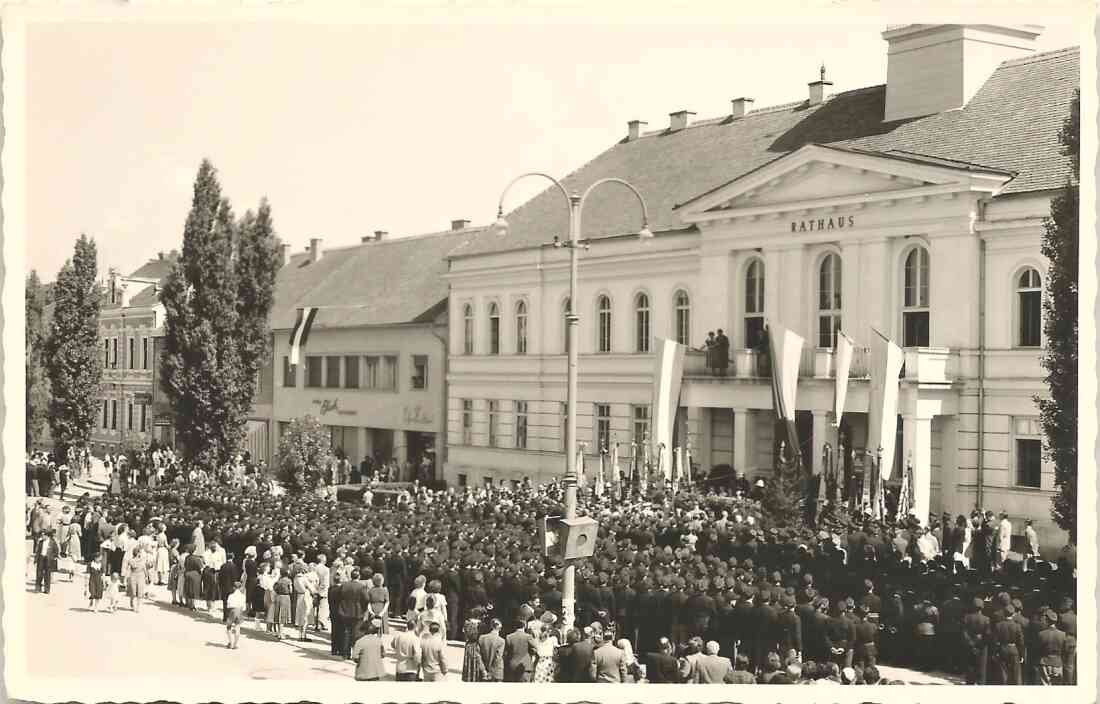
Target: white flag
{"type": "Point", "coordinates": [842, 358]}
{"type": "Point", "coordinates": [882, 411]}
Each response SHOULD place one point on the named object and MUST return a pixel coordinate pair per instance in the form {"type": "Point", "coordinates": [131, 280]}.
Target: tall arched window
{"type": "Point", "coordinates": [915, 299]}
{"type": "Point", "coordinates": [1029, 303]}
{"type": "Point", "coordinates": [683, 318]}
{"type": "Point", "coordinates": [754, 303]}
{"type": "Point", "coordinates": [828, 300]}
{"type": "Point", "coordinates": [641, 322]}
{"type": "Point", "coordinates": [467, 329]}
{"type": "Point", "coordinates": [494, 329]}
{"type": "Point", "coordinates": [521, 327]}
{"type": "Point", "coordinates": [603, 324]}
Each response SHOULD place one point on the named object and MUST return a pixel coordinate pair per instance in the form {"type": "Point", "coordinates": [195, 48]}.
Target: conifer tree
{"type": "Point", "coordinates": [72, 349]}
{"type": "Point", "coordinates": [36, 379]}
{"type": "Point", "coordinates": [217, 298]}
{"type": "Point", "coordinates": [1058, 414]}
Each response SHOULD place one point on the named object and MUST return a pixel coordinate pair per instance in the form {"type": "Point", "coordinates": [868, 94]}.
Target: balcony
{"type": "Point", "coordinates": [815, 363]}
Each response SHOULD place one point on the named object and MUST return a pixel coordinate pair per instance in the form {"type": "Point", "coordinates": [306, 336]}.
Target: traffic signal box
{"type": "Point", "coordinates": [569, 538]}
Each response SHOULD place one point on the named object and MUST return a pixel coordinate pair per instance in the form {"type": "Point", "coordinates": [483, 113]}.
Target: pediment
{"type": "Point", "coordinates": [815, 176]}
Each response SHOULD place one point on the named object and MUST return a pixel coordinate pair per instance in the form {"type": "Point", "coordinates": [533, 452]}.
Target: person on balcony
{"type": "Point", "coordinates": [721, 353]}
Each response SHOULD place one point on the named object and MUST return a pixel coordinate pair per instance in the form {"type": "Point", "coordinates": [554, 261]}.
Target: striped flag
{"type": "Point", "coordinates": [666, 392]}
{"type": "Point", "coordinates": [882, 412]}
{"type": "Point", "coordinates": [300, 333]}
{"type": "Point", "coordinates": [786, 352]}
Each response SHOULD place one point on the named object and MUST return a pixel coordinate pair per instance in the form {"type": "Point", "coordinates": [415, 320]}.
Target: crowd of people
{"type": "Point", "coordinates": [675, 575]}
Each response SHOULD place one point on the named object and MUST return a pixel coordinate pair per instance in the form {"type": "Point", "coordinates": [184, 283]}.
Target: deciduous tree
{"type": "Point", "coordinates": [305, 453]}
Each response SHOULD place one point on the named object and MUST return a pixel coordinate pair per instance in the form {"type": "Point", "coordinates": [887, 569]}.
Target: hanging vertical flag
{"type": "Point", "coordinates": [300, 333]}
{"type": "Point", "coordinates": [667, 378]}
{"type": "Point", "coordinates": [687, 464]}
{"type": "Point", "coordinates": [599, 479]}
{"type": "Point", "coordinates": [882, 411]}
{"type": "Point", "coordinates": [904, 493]}
{"type": "Point", "coordinates": [786, 352]}
{"type": "Point", "coordinates": [580, 465]}
{"type": "Point", "coordinates": [842, 358]}
{"type": "Point", "coordinates": [678, 461]}
{"type": "Point", "coordinates": [616, 473]}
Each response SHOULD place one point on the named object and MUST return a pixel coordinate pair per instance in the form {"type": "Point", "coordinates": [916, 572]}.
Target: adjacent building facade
{"type": "Point", "coordinates": [374, 367]}
{"type": "Point", "coordinates": [913, 209]}
{"type": "Point", "coordinates": [130, 323]}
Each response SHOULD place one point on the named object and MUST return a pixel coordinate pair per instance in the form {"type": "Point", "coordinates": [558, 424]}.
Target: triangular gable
{"type": "Point", "coordinates": [815, 176]}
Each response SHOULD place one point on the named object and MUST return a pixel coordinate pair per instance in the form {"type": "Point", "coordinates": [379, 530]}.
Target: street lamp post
{"type": "Point", "coordinates": [576, 205]}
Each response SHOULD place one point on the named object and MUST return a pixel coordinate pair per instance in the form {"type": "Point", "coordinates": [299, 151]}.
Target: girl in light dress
{"type": "Point", "coordinates": [266, 581]}
{"type": "Point", "coordinates": [70, 549]}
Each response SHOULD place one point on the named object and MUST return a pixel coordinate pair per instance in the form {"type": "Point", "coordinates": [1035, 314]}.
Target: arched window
{"type": "Point", "coordinates": [467, 329]}
{"type": "Point", "coordinates": [754, 303]}
{"type": "Point", "coordinates": [494, 329]}
{"type": "Point", "coordinates": [641, 322]}
{"type": "Point", "coordinates": [521, 328]}
{"type": "Point", "coordinates": [828, 301]}
{"type": "Point", "coordinates": [683, 317]}
{"type": "Point", "coordinates": [1029, 301]}
{"type": "Point", "coordinates": [603, 323]}
{"type": "Point", "coordinates": [915, 299]}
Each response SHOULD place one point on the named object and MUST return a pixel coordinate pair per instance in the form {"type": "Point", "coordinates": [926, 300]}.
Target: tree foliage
{"type": "Point", "coordinates": [72, 349]}
{"type": "Point", "coordinates": [783, 490]}
{"type": "Point", "coordinates": [37, 391]}
{"type": "Point", "coordinates": [305, 452]}
{"type": "Point", "coordinates": [217, 298]}
{"type": "Point", "coordinates": [1058, 414]}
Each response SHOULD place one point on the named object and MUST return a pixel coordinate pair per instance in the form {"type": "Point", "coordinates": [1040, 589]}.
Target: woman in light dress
{"type": "Point", "coordinates": [546, 650]}
{"type": "Point", "coordinates": [70, 549]}
{"type": "Point", "coordinates": [432, 613]}
{"type": "Point", "coordinates": [266, 582]}
{"type": "Point", "coordinates": [163, 561]}
{"type": "Point", "coordinates": [137, 576]}
{"type": "Point", "coordinates": [630, 660]}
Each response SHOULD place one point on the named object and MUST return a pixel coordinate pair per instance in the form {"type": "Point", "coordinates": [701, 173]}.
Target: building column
{"type": "Point", "coordinates": [363, 440]}
{"type": "Point", "coordinates": [741, 440]}
{"type": "Point", "coordinates": [400, 448]}
{"type": "Point", "coordinates": [949, 464]}
{"type": "Point", "coordinates": [917, 449]}
{"type": "Point", "coordinates": [821, 435]}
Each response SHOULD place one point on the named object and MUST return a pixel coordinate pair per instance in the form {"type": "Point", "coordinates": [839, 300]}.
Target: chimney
{"type": "Point", "coordinates": [634, 129]}
{"type": "Point", "coordinates": [284, 254]}
{"type": "Point", "coordinates": [741, 106]}
{"type": "Point", "coordinates": [314, 249]}
{"type": "Point", "coordinates": [160, 256]}
{"type": "Point", "coordinates": [380, 235]}
{"type": "Point", "coordinates": [366, 238]}
{"type": "Point", "coordinates": [931, 68]}
{"type": "Point", "coordinates": [459, 225]}
{"type": "Point", "coordinates": [678, 120]}
{"type": "Point", "coordinates": [817, 89]}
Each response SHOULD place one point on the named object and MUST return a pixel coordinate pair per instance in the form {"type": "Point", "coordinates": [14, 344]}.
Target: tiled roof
{"type": "Point", "coordinates": [397, 280]}
{"type": "Point", "coordinates": [156, 268]}
{"type": "Point", "coordinates": [145, 298]}
{"type": "Point", "coordinates": [1011, 124]}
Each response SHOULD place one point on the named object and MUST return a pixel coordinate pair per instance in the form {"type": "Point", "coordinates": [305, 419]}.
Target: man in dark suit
{"type": "Point", "coordinates": [491, 647]}
{"type": "Point", "coordinates": [335, 594]}
{"type": "Point", "coordinates": [608, 662]}
{"type": "Point", "coordinates": [45, 554]}
{"type": "Point", "coordinates": [661, 666]}
{"type": "Point", "coordinates": [352, 603]}
{"type": "Point", "coordinates": [575, 658]}
{"type": "Point", "coordinates": [789, 628]}
{"type": "Point", "coordinates": [519, 647]}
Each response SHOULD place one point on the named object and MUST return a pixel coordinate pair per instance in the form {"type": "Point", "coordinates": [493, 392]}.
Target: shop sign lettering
{"type": "Point", "coordinates": [332, 406]}
{"type": "Point", "coordinates": [416, 415]}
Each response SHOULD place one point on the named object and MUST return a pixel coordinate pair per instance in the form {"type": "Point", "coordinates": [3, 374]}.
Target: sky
{"type": "Point", "coordinates": [396, 126]}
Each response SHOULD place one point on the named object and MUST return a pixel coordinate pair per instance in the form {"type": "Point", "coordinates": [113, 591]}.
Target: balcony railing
{"type": "Point", "coordinates": [814, 363]}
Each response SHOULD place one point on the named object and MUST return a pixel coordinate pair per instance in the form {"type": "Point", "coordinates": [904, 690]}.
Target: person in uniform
{"type": "Point", "coordinates": [975, 635]}
{"type": "Point", "coordinates": [1051, 647]}
{"type": "Point", "coordinates": [1067, 623]}
{"type": "Point", "coordinates": [866, 639]}
{"type": "Point", "coordinates": [1008, 646]}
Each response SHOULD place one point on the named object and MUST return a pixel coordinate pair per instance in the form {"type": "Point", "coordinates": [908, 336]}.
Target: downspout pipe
{"type": "Point", "coordinates": [979, 495]}
{"type": "Point", "coordinates": [441, 440]}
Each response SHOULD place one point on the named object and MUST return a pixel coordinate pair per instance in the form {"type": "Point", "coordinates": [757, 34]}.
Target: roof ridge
{"type": "Point", "coordinates": [766, 110]}
{"type": "Point", "coordinates": [1042, 56]}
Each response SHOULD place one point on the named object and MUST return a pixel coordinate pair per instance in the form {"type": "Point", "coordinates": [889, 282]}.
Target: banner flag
{"type": "Point", "coordinates": [667, 378]}
{"type": "Point", "coordinates": [687, 464]}
{"type": "Point", "coordinates": [882, 410]}
{"type": "Point", "coordinates": [599, 478]}
{"type": "Point", "coordinates": [786, 353]}
{"type": "Point", "coordinates": [300, 333]}
{"type": "Point", "coordinates": [616, 473]}
{"type": "Point", "coordinates": [580, 465]}
{"type": "Point", "coordinates": [842, 358]}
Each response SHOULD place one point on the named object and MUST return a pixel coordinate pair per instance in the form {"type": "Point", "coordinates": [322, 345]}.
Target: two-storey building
{"type": "Point", "coordinates": [913, 208]}
{"type": "Point", "coordinates": [374, 364]}
{"type": "Point", "coordinates": [130, 323]}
